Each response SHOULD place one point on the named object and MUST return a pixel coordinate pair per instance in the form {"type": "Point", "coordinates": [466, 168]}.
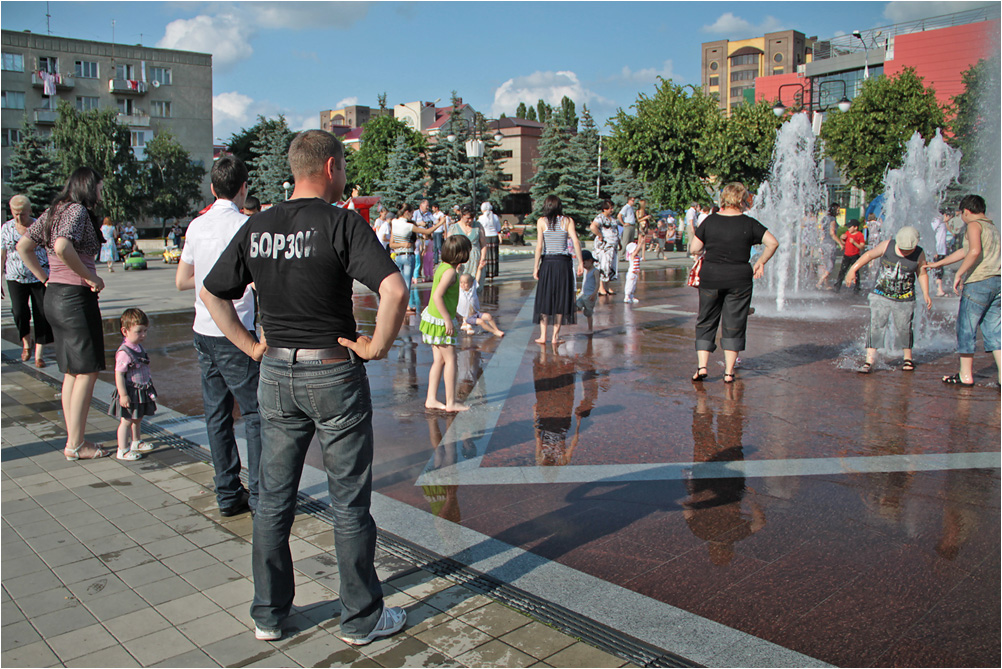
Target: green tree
{"type": "Point", "coordinates": [667, 142]}
{"type": "Point", "coordinates": [173, 181]}
{"type": "Point", "coordinates": [34, 169]}
{"type": "Point", "coordinates": [449, 174]}
{"type": "Point", "coordinates": [870, 138]}
{"type": "Point", "coordinates": [270, 168]}
{"type": "Point", "coordinates": [520, 111]}
{"type": "Point", "coordinates": [96, 139]}
{"type": "Point", "coordinates": [561, 170]}
{"type": "Point", "coordinates": [543, 111]}
{"type": "Point", "coordinates": [405, 175]}
{"type": "Point", "coordinates": [371, 160]}
{"type": "Point", "coordinates": [743, 150]}
{"type": "Point", "coordinates": [566, 115]}
{"type": "Point", "coordinates": [241, 144]}
{"type": "Point", "coordinates": [626, 184]}
{"type": "Point", "coordinates": [530, 114]}
{"type": "Point", "coordinates": [975, 132]}
{"type": "Point", "coordinates": [587, 144]}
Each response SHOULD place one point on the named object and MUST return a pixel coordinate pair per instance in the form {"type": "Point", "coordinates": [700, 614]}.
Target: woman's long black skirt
{"type": "Point", "coordinates": [555, 290]}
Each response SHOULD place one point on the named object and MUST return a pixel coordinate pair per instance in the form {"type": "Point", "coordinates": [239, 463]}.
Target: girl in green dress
{"type": "Point", "coordinates": [436, 325]}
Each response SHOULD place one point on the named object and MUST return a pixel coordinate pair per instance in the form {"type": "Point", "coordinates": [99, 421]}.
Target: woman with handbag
{"type": "Point", "coordinates": [725, 278]}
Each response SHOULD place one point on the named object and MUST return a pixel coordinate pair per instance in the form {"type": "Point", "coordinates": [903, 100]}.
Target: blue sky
{"type": "Point", "coordinates": [298, 58]}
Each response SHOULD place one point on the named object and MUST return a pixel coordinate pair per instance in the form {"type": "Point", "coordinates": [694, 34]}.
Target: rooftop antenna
{"type": "Point", "coordinates": [48, 16]}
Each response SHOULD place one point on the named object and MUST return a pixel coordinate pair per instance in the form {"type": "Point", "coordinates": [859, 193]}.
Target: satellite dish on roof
{"type": "Point", "coordinates": [156, 84]}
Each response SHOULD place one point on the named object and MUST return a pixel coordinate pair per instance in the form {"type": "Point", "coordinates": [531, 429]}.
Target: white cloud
{"type": "Point", "coordinates": [347, 102]}
{"type": "Point", "coordinates": [729, 24]}
{"type": "Point", "coordinates": [901, 12]}
{"type": "Point", "coordinates": [226, 29]}
{"type": "Point", "coordinates": [550, 87]}
{"type": "Point", "coordinates": [300, 122]}
{"type": "Point", "coordinates": [232, 107]}
{"type": "Point", "coordinates": [223, 36]}
{"type": "Point", "coordinates": [648, 75]}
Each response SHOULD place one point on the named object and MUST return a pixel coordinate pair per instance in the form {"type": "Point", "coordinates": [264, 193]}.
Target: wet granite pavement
{"type": "Point", "coordinates": [852, 519]}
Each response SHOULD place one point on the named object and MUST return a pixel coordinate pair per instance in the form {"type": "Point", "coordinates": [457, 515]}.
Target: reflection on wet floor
{"type": "Point", "coordinates": [893, 564]}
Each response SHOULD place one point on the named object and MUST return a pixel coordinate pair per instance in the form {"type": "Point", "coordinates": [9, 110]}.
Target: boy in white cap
{"type": "Point", "coordinates": [892, 301]}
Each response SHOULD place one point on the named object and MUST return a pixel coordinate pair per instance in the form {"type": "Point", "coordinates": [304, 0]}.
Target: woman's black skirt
{"type": "Point", "coordinates": [75, 318]}
{"type": "Point", "coordinates": [555, 290]}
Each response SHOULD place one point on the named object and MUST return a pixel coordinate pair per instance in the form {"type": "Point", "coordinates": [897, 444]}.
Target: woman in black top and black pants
{"type": "Point", "coordinates": [725, 280]}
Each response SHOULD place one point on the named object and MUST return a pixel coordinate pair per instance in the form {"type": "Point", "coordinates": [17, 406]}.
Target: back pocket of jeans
{"type": "Point", "coordinates": [269, 398]}
{"type": "Point", "coordinates": [340, 403]}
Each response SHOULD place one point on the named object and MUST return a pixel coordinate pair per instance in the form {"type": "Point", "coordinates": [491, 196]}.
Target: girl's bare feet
{"type": "Point", "coordinates": [455, 407]}
{"type": "Point", "coordinates": [541, 340]}
{"type": "Point", "coordinates": [499, 333]}
{"type": "Point", "coordinates": [436, 405]}
{"type": "Point", "coordinates": [557, 341]}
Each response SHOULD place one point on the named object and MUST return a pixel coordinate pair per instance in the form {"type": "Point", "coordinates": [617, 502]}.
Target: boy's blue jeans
{"type": "Point", "coordinates": [332, 400]}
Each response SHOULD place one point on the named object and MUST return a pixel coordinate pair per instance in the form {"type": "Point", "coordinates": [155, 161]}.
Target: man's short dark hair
{"type": "Point", "coordinates": [310, 150]}
{"type": "Point", "coordinates": [252, 203]}
{"type": "Point", "coordinates": [973, 203]}
{"type": "Point", "coordinates": [229, 174]}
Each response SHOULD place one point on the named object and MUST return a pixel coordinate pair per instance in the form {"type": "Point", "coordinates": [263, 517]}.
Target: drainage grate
{"type": "Point", "coordinates": [601, 636]}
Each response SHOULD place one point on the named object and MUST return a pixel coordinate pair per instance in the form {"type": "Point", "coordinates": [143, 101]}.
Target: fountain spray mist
{"type": "Point", "coordinates": [787, 204]}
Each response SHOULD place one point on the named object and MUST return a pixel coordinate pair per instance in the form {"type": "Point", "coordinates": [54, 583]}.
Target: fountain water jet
{"type": "Point", "coordinates": [787, 204]}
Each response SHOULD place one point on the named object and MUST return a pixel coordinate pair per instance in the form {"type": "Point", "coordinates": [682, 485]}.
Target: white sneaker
{"type": "Point", "coordinates": [266, 634]}
{"type": "Point", "coordinates": [390, 622]}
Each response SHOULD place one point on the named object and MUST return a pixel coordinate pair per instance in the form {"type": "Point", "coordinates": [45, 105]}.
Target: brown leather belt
{"type": "Point", "coordinates": [321, 355]}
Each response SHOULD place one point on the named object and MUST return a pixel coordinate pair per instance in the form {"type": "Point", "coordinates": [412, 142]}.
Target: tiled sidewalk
{"type": "Point", "coordinates": [115, 564]}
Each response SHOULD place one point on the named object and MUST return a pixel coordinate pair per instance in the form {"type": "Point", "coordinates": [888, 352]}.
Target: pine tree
{"type": "Point", "coordinates": [587, 144]}
{"type": "Point", "coordinates": [405, 179]}
{"type": "Point", "coordinates": [560, 171]}
{"type": "Point", "coordinates": [270, 169]}
{"type": "Point", "coordinates": [34, 169]}
{"type": "Point", "coordinates": [626, 184]}
{"type": "Point", "coordinates": [447, 165]}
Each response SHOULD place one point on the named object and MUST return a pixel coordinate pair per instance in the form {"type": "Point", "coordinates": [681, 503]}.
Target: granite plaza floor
{"type": "Point", "coordinates": [806, 515]}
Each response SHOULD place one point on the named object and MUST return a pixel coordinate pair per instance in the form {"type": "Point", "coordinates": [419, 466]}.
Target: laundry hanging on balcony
{"type": "Point", "coordinates": [48, 82]}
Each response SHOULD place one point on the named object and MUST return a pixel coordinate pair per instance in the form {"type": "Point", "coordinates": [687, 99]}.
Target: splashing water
{"type": "Point", "coordinates": [914, 192]}
{"type": "Point", "coordinates": [787, 205]}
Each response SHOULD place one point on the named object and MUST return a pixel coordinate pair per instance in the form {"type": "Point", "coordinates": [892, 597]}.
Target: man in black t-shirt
{"type": "Point", "coordinates": [302, 256]}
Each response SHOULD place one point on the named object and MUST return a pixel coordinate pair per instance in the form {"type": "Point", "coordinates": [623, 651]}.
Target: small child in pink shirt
{"type": "Point", "coordinates": [134, 395]}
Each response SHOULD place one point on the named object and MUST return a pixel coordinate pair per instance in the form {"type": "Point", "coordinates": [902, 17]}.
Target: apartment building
{"type": "Point", "coordinates": [730, 68]}
{"type": "Point", "coordinates": [340, 121]}
{"type": "Point", "coordinates": [151, 89]}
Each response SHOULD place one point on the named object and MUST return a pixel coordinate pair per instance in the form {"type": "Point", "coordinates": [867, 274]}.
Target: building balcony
{"type": "Point", "coordinates": [46, 116]}
{"type": "Point", "coordinates": [137, 120]}
{"type": "Point", "coordinates": [64, 82]}
{"type": "Point", "coordinates": [127, 86]}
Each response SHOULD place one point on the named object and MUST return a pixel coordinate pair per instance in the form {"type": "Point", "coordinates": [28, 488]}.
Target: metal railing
{"type": "Point", "coordinates": [880, 38]}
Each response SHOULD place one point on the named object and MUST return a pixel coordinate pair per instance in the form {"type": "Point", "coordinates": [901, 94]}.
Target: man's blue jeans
{"type": "Point", "coordinates": [437, 238]}
{"type": "Point", "coordinates": [227, 374]}
{"type": "Point", "coordinates": [333, 401]}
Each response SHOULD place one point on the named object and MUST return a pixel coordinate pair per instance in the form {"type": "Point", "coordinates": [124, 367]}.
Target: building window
{"type": "Point", "coordinates": [778, 58]}
{"type": "Point", "coordinates": [738, 91]}
{"type": "Point", "coordinates": [160, 109]}
{"type": "Point", "coordinates": [714, 65]}
{"type": "Point", "coordinates": [13, 62]}
{"type": "Point", "coordinates": [750, 59]}
{"type": "Point", "coordinates": [161, 75]}
{"type": "Point", "coordinates": [124, 72]}
{"type": "Point", "coordinates": [48, 64]}
{"type": "Point", "coordinates": [12, 100]}
{"type": "Point", "coordinates": [125, 106]}
{"type": "Point", "coordinates": [507, 177]}
{"type": "Point", "coordinates": [49, 103]}
{"type": "Point", "coordinates": [505, 154]}
{"type": "Point", "coordinates": [8, 173]}
{"type": "Point", "coordinates": [714, 81]}
{"type": "Point", "coordinates": [87, 103]}
{"type": "Point", "coordinates": [138, 138]}
{"type": "Point", "coordinates": [86, 69]}
{"type": "Point", "coordinates": [777, 70]}
{"type": "Point", "coordinates": [744, 75]}
{"type": "Point", "coordinates": [10, 137]}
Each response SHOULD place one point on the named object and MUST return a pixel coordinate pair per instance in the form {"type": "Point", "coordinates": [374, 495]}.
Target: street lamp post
{"type": "Point", "coordinates": [474, 149]}
{"type": "Point", "coordinates": [866, 56]}
{"type": "Point", "coordinates": [286, 186]}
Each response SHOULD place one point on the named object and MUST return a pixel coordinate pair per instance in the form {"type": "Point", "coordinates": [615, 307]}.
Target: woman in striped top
{"type": "Point", "coordinates": [553, 269]}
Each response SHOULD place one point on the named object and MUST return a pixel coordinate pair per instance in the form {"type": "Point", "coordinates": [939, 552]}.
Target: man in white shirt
{"type": "Point", "coordinates": [423, 218]}
{"type": "Point", "coordinates": [628, 219]}
{"type": "Point", "coordinates": [228, 374]}
{"type": "Point", "coordinates": [439, 235]}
